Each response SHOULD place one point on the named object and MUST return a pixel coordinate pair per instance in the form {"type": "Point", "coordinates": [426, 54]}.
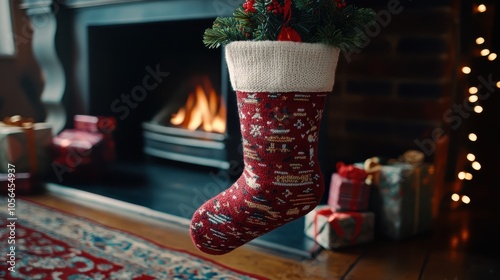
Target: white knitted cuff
{"type": "Point", "coordinates": [273, 66]}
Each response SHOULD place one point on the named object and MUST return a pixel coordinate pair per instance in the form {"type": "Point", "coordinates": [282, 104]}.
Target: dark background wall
{"type": "Point", "coordinates": [390, 95]}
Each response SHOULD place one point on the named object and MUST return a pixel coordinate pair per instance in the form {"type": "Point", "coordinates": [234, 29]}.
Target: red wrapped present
{"type": "Point", "coordinates": [76, 149]}
{"type": "Point", "coordinates": [95, 124]}
{"type": "Point", "coordinates": [332, 229]}
{"type": "Point", "coordinates": [99, 124]}
{"type": "Point", "coordinates": [348, 190]}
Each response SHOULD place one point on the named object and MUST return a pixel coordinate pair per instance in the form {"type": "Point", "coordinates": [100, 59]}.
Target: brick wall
{"type": "Point", "coordinates": [395, 90]}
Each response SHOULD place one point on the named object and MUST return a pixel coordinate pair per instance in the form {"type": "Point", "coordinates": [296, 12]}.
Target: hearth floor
{"type": "Point", "coordinates": [178, 190]}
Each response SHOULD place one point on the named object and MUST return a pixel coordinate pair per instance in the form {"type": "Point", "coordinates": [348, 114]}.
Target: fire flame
{"type": "Point", "coordinates": [204, 109]}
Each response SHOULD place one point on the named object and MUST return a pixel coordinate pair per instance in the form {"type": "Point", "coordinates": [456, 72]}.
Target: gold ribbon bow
{"type": "Point", "coordinates": [372, 167]}
{"type": "Point", "coordinates": [27, 124]}
{"type": "Point", "coordinates": [19, 121]}
{"type": "Point", "coordinates": [413, 157]}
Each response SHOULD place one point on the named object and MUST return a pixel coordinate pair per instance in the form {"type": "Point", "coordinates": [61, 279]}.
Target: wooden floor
{"type": "Point", "coordinates": [461, 246]}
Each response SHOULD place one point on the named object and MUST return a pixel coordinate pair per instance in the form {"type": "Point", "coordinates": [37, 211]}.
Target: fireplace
{"type": "Point", "coordinates": [168, 90]}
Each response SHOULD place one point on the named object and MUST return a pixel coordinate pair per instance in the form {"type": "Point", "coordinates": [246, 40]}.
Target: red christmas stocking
{"type": "Point", "coordinates": [281, 90]}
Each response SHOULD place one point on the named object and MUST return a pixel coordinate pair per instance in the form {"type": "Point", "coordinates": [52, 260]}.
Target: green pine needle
{"type": "Point", "coordinates": [316, 21]}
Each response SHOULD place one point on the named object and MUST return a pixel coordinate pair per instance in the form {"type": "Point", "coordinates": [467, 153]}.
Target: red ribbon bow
{"type": "Point", "coordinates": [333, 221]}
{"type": "Point", "coordinates": [351, 172]}
{"type": "Point", "coordinates": [287, 33]}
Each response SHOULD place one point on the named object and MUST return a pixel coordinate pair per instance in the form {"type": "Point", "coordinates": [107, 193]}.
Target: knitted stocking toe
{"type": "Point", "coordinates": [281, 181]}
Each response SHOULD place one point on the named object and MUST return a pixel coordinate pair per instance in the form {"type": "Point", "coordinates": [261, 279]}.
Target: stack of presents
{"type": "Point", "coordinates": [30, 153]}
{"type": "Point", "coordinates": [392, 200]}
{"type": "Point", "coordinates": [365, 199]}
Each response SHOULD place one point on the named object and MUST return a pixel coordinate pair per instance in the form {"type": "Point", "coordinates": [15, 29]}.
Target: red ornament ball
{"type": "Point", "coordinates": [289, 34]}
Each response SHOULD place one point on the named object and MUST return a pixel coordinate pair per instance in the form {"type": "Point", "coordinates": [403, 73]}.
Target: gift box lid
{"type": "Point", "coordinates": [5, 177]}
{"type": "Point", "coordinates": [77, 138]}
{"type": "Point", "coordinates": [101, 124]}
{"type": "Point", "coordinates": [9, 129]}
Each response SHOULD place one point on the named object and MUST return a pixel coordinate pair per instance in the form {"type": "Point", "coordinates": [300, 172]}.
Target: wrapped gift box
{"type": "Point", "coordinates": [348, 194]}
{"type": "Point", "coordinates": [79, 155]}
{"type": "Point", "coordinates": [99, 124]}
{"type": "Point", "coordinates": [29, 150]}
{"type": "Point", "coordinates": [24, 184]}
{"type": "Point", "coordinates": [95, 124]}
{"type": "Point", "coordinates": [404, 199]}
{"type": "Point", "coordinates": [75, 148]}
{"type": "Point", "coordinates": [333, 230]}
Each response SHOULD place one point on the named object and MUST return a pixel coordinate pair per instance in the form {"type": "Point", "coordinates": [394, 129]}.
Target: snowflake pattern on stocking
{"type": "Point", "coordinates": [281, 181]}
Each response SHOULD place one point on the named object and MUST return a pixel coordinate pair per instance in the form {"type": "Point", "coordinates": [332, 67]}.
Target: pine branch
{"type": "Point", "coordinates": [240, 15]}
{"type": "Point", "coordinates": [317, 21]}
{"type": "Point", "coordinates": [224, 31]}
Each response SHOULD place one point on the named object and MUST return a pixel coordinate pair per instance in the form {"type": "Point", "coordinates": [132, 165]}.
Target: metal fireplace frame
{"type": "Point", "coordinates": [199, 147]}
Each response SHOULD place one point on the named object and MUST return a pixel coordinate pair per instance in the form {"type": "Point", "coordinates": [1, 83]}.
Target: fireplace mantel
{"type": "Point", "coordinates": [44, 24]}
{"type": "Point", "coordinates": [60, 41]}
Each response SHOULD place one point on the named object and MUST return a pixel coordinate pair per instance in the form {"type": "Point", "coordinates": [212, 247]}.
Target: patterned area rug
{"type": "Point", "coordinates": [50, 244]}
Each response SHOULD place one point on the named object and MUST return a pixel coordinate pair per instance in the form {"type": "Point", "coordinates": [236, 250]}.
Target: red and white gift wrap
{"type": "Point", "coordinates": [74, 148]}
{"type": "Point", "coordinates": [99, 124]}
{"type": "Point", "coordinates": [333, 230]}
{"type": "Point", "coordinates": [95, 124]}
{"type": "Point", "coordinates": [348, 190]}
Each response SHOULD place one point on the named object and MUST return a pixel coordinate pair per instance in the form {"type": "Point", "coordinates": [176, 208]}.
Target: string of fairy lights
{"type": "Point", "coordinates": [480, 44]}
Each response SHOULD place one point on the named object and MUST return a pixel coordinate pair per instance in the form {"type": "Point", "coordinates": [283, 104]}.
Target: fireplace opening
{"type": "Point", "coordinates": [191, 129]}
{"type": "Point", "coordinates": [168, 91]}
{"type": "Point", "coordinates": [204, 109]}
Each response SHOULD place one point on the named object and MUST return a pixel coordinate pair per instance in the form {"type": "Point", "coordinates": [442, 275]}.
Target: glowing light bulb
{"type": "Point", "coordinates": [498, 84]}
{"type": "Point", "coordinates": [473, 98]}
{"type": "Point", "coordinates": [473, 90]}
{"type": "Point", "coordinates": [480, 40]}
{"type": "Point", "coordinates": [476, 165]}
{"type": "Point", "coordinates": [464, 234]}
{"type": "Point", "coordinates": [461, 175]}
{"type": "Point", "coordinates": [468, 176]}
{"type": "Point", "coordinates": [492, 56]}
{"type": "Point", "coordinates": [481, 8]}
{"type": "Point", "coordinates": [455, 197]}
{"type": "Point", "coordinates": [485, 52]}
{"type": "Point", "coordinates": [471, 157]}
{"type": "Point", "coordinates": [465, 199]}
{"type": "Point", "coordinates": [478, 109]}
{"type": "Point", "coordinates": [466, 70]}
{"type": "Point", "coordinates": [472, 137]}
